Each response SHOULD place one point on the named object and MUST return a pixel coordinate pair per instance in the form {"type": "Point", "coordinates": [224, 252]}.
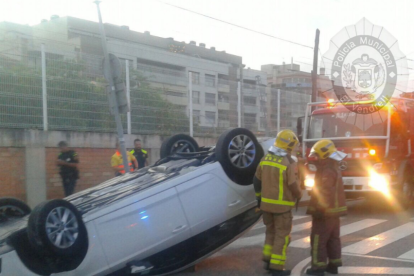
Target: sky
{"type": "Point", "coordinates": [293, 20]}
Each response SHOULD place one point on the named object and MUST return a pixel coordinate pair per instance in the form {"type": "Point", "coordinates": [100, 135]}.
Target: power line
{"type": "Point", "coordinates": [235, 25]}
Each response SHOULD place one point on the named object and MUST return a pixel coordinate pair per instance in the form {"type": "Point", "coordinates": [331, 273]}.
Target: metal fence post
{"type": "Point", "coordinates": [128, 93]}
{"type": "Point", "coordinates": [238, 105]}
{"type": "Point", "coordinates": [44, 88]}
{"type": "Point", "coordinates": [278, 110]}
{"type": "Point", "coordinates": [190, 97]}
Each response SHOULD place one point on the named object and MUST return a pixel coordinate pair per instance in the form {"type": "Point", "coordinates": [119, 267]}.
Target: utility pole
{"type": "Point", "coordinates": [315, 68]}
{"type": "Point", "coordinates": [110, 76]}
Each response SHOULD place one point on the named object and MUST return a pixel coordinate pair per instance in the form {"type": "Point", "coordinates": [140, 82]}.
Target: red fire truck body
{"type": "Point", "coordinates": [378, 145]}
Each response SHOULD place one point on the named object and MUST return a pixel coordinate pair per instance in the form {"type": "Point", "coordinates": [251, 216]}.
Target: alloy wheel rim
{"type": "Point", "coordinates": [242, 151]}
{"type": "Point", "coordinates": [62, 227]}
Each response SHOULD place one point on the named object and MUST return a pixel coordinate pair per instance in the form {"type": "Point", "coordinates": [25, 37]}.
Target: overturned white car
{"type": "Point", "coordinates": [155, 221]}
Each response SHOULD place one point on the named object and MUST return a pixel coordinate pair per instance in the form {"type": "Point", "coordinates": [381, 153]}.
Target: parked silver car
{"type": "Point", "coordinates": [155, 221]}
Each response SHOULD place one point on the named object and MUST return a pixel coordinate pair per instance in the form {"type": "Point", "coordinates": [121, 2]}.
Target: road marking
{"type": "Point", "coordinates": [301, 266]}
{"type": "Point", "coordinates": [359, 270]}
{"type": "Point", "coordinates": [408, 255]}
{"type": "Point", "coordinates": [373, 243]}
{"type": "Point", "coordinates": [259, 239]}
{"type": "Point", "coordinates": [261, 225]}
{"type": "Point", "coordinates": [345, 230]}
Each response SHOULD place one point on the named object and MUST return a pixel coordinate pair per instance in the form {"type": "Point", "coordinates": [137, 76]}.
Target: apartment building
{"type": "Point", "coordinates": [165, 62]}
{"type": "Point", "coordinates": [296, 90]}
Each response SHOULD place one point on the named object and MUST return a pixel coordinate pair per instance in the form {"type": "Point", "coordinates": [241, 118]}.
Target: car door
{"type": "Point", "coordinates": [208, 201]}
{"type": "Point", "coordinates": [143, 228]}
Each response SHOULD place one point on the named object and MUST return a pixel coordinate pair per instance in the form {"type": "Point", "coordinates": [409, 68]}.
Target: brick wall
{"type": "Point", "coordinates": [94, 168]}
{"type": "Point", "coordinates": [12, 172]}
{"type": "Point", "coordinates": [20, 146]}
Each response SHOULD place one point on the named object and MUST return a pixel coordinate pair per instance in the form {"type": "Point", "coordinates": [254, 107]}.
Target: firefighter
{"type": "Point", "coordinates": [277, 189]}
{"type": "Point", "coordinates": [117, 162]}
{"type": "Point", "coordinates": [326, 205]}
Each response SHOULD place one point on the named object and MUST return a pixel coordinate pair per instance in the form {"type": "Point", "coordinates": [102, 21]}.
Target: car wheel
{"type": "Point", "coordinates": [239, 153]}
{"type": "Point", "coordinates": [12, 208]}
{"type": "Point", "coordinates": [56, 227]}
{"type": "Point", "coordinates": [179, 143]}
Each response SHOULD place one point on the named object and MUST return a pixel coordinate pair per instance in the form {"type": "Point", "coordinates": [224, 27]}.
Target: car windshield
{"type": "Point", "coordinates": [347, 124]}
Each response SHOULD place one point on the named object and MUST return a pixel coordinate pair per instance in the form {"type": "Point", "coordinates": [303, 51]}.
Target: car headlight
{"type": "Point", "coordinates": [378, 182]}
{"type": "Point", "coordinates": [309, 181]}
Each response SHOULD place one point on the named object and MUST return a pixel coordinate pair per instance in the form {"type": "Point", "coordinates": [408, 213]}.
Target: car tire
{"type": "Point", "coordinates": [12, 208]}
{"type": "Point", "coordinates": [239, 153]}
{"type": "Point", "coordinates": [56, 228]}
{"type": "Point", "coordinates": [178, 143]}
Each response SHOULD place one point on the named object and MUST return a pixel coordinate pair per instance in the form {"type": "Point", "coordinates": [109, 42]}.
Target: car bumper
{"type": "Point", "coordinates": [373, 184]}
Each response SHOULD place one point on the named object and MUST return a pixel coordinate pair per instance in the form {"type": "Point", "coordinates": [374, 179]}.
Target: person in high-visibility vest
{"type": "Point", "coordinates": [118, 164]}
{"type": "Point", "coordinates": [277, 189]}
{"type": "Point", "coordinates": [326, 205]}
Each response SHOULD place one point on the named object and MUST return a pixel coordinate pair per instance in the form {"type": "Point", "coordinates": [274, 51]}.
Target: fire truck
{"type": "Point", "coordinates": [378, 146]}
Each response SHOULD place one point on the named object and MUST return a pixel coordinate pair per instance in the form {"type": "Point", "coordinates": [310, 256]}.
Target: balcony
{"type": "Point", "coordinates": [250, 108]}
{"type": "Point", "coordinates": [223, 105]}
{"type": "Point", "coordinates": [167, 76]}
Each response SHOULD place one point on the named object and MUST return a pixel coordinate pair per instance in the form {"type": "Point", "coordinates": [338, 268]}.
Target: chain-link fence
{"type": "Point", "coordinates": [56, 88]}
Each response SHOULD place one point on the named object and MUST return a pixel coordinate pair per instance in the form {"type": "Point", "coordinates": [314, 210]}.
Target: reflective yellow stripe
{"type": "Point", "coordinates": [277, 262]}
{"type": "Point", "coordinates": [315, 252]}
{"type": "Point", "coordinates": [279, 257]}
{"type": "Point", "coordinates": [258, 194]}
{"type": "Point", "coordinates": [285, 246]}
{"type": "Point", "coordinates": [278, 202]}
{"type": "Point", "coordinates": [281, 184]}
{"type": "Point", "coordinates": [335, 261]}
{"type": "Point", "coordinates": [336, 210]}
{"type": "Point", "coordinates": [267, 250]}
{"type": "Point", "coordinates": [272, 164]}
{"type": "Point", "coordinates": [281, 170]}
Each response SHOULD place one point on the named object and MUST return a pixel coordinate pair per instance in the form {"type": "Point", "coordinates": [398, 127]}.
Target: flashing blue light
{"type": "Point", "coordinates": [144, 217]}
{"type": "Point", "coordinates": [142, 212]}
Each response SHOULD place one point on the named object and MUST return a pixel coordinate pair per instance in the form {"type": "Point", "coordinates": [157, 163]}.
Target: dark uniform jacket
{"type": "Point", "coordinates": [328, 196]}
{"type": "Point", "coordinates": [278, 185]}
{"type": "Point", "coordinates": [141, 156]}
{"type": "Point", "coordinates": [69, 156]}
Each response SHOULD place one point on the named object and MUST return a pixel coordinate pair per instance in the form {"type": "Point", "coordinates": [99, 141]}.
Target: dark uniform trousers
{"type": "Point", "coordinates": [278, 228]}
{"type": "Point", "coordinates": [326, 242]}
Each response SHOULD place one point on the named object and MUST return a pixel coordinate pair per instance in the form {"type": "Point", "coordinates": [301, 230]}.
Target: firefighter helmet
{"type": "Point", "coordinates": [326, 149]}
{"type": "Point", "coordinates": [286, 140]}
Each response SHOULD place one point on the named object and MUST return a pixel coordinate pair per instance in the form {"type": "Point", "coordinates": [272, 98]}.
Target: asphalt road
{"type": "Point", "coordinates": [377, 239]}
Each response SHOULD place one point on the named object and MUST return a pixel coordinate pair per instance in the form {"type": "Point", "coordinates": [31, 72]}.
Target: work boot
{"type": "Point", "coordinates": [333, 269]}
{"type": "Point", "coordinates": [280, 272]}
{"type": "Point", "coordinates": [316, 272]}
{"type": "Point", "coordinates": [266, 265]}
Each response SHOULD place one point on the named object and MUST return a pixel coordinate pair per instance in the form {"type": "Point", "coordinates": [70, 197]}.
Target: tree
{"type": "Point", "coordinates": [78, 100]}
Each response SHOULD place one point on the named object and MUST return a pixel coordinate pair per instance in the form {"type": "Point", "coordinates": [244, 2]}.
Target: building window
{"type": "Point", "coordinates": [223, 98]}
{"type": "Point", "coordinates": [223, 115]}
{"type": "Point", "coordinates": [174, 93]}
{"type": "Point", "coordinates": [210, 118]}
{"type": "Point", "coordinates": [195, 78]}
{"type": "Point", "coordinates": [210, 99]}
{"type": "Point", "coordinates": [196, 116]}
{"type": "Point", "coordinates": [210, 80]}
{"type": "Point", "coordinates": [250, 101]}
{"type": "Point", "coordinates": [196, 97]}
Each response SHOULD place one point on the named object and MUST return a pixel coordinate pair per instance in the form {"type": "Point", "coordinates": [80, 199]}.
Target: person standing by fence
{"type": "Point", "coordinates": [140, 154]}
{"type": "Point", "coordinates": [68, 164]}
{"type": "Point", "coordinates": [117, 163]}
